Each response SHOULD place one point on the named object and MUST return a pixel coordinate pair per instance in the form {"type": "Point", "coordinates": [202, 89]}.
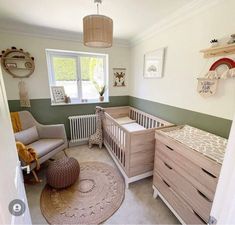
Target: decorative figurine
{"type": "Point", "coordinates": [232, 39]}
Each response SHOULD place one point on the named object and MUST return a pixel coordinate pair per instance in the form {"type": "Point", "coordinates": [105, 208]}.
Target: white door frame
{"type": "Point", "coordinates": [11, 182]}
{"type": "Point", "coordinates": [223, 208]}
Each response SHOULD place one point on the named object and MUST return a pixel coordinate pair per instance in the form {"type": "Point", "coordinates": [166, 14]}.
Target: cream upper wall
{"type": "Point", "coordinates": [184, 63]}
{"type": "Point", "coordinates": [38, 85]}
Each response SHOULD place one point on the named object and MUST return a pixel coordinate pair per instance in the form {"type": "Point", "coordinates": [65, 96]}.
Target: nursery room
{"type": "Point", "coordinates": [117, 112]}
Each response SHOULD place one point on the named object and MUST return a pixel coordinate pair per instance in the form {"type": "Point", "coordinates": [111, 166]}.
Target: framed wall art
{"type": "Point", "coordinates": [153, 63]}
{"type": "Point", "coordinates": [58, 94]}
{"type": "Point", "coordinates": [119, 77]}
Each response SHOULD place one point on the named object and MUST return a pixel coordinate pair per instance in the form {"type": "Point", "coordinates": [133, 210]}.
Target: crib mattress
{"type": "Point", "coordinates": [124, 120]}
{"type": "Point", "coordinates": [133, 127]}
{"type": "Point", "coordinates": [206, 143]}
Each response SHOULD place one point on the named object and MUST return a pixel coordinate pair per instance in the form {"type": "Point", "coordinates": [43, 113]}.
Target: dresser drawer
{"type": "Point", "coordinates": [199, 173]}
{"type": "Point", "coordinates": [200, 203]}
{"type": "Point", "coordinates": [209, 165]}
{"type": "Point", "coordinates": [179, 206]}
{"type": "Point", "coordinates": [199, 177]}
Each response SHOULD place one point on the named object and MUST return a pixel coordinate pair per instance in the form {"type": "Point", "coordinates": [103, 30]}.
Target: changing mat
{"type": "Point", "coordinates": [206, 143]}
{"type": "Point", "coordinates": [133, 127]}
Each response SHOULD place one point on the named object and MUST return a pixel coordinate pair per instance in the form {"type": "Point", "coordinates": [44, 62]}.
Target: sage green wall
{"type": "Point", "coordinates": [215, 125]}
{"type": "Point", "coordinates": [47, 114]}
{"type": "Point", "coordinates": [44, 113]}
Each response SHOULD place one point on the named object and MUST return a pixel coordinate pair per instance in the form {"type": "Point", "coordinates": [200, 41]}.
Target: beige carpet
{"type": "Point", "coordinates": [138, 206]}
{"type": "Point", "coordinates": [97, 194]}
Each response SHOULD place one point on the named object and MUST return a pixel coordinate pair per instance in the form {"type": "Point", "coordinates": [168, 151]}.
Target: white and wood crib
{"type": "Point", "coordinates": [129, 138]}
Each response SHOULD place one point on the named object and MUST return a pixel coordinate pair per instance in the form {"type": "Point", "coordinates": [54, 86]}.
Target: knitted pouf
{"type": "Point", "coordinates": [63, 173]}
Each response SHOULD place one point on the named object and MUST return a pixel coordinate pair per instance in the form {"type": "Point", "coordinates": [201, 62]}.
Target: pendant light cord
{"type": "Point", "coordinates": [97, 2]}
{"type": "Point", "coordinates": [97, 5]}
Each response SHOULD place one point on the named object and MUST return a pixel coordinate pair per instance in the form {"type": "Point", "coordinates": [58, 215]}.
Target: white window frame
{"type": "Point", "coordinates": [50, 53]}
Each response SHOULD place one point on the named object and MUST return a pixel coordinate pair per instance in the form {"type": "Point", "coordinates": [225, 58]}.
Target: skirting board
{"type": "Point", "coordinates": [77, 143]}
{"type": "Point", "coordinates": [156, 193]}
{"type": "Point", "coordinates": [127, 179]}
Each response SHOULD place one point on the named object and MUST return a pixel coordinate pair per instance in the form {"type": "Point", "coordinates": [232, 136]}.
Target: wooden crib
{"type": "Point", "coordinates": [131, 145]}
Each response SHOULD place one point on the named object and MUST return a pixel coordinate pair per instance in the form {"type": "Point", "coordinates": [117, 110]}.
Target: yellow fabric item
{"type": "Point", "coordinates": [15, 120]}
{"type": "Point", "coordinates": [28, 155]}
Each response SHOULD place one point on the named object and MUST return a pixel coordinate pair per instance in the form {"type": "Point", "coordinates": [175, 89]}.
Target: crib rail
{"type": "Point", "coordinates": [146, 120]}
{"type": "Point", "coordinates": [116, 138]}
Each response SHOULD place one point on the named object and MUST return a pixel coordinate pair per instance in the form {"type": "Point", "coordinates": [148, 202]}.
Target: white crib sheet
{"type": "Point", "coordinates": [133, 127]}
{"type": "Point", "coordinates": [124, 120]}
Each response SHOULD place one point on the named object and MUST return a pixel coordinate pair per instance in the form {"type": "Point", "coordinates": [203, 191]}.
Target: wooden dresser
{"type": "Point", "coordinates": [186, 178]}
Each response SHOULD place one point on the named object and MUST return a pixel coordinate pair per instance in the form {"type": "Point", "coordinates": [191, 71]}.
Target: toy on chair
{"type": "Point", "coordinates": [97, 137]}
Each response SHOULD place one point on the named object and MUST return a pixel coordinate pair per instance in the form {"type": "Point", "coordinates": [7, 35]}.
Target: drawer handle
{"type": "Point", "coordinates": [166, 183]}
{"type": "Point", "coordinates": [210, 174]}
{"type": "Point", "coordinates": [169, 148]}
{"type": "Point", "coordinates": [204, 196]}
{"type": "Point", "coordinates": [168, 166]}
{"type": "Point", "coordinates": [199, 217]}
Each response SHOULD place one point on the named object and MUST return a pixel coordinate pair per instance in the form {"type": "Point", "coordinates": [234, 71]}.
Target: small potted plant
{"type": "Point", "coordinates": [214, 43]}
{"type": "Point", "coordinates": [101, 90]}
{"type": "Point", "coordinates": [232, 39]}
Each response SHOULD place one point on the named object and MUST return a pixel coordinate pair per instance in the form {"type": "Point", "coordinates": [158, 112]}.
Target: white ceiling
{"type": "Point", "coordinates": [130, 17]}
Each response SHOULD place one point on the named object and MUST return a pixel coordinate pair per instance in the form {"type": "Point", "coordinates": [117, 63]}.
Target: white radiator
{"type": "Point", "coordinates": [82, 127]}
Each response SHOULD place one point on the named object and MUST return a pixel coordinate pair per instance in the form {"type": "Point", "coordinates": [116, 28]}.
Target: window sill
{"type": "Point", "coordinates": [79, 103]}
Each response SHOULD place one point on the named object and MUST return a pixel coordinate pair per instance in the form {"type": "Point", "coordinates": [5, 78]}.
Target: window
{"type": "Point", "coordinates": [81, 74]}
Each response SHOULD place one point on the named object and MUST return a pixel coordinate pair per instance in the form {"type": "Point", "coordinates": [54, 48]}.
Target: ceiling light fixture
{"type": "Point", "coordinates": [97, 30]}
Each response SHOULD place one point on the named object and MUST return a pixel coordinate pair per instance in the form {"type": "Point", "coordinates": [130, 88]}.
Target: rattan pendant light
{"type": "Point", "coordinates": [97, 30]}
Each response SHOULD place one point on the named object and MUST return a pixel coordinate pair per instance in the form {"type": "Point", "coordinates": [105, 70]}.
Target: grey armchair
{"type": "Point", "coordinates": [47, 140]}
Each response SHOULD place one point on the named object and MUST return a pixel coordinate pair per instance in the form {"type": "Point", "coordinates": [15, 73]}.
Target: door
{"type": "Point", "coordinates": [223, 208]}
{"type": "Point", "coordinates": [13, 199]}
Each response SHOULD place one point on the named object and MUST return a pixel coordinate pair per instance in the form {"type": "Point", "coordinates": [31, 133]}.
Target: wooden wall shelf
{"type": "Point", "coordinates": [17, 59]}
{"type": "Point", "coordinates": [219, 51]}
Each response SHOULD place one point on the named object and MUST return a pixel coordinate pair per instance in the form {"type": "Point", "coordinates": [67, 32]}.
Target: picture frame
{"type": "Point", "coordinates": [58, 94]}
{"type": "Point", "coordinates": [119, 77]}
{"type": "Point", "coordinates": [153, 63]}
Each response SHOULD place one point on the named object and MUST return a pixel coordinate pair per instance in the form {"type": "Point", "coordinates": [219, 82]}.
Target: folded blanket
{"type": "Point", "coordinates": [15, 120]}
{"type": "Point", "coordinates": [28, 155]}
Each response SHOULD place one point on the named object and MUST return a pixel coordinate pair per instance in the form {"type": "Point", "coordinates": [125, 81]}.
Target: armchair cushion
{"type": "Point", "coordinates": [44, 146]}
{"type": "Point", "coordinates": [52, 131]}
{"type": "Point", "coordinates": [27, 136]}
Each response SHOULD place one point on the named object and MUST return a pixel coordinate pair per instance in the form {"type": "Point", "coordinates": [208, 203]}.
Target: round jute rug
{"type": "Point", "coordinates": [96, 195]}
